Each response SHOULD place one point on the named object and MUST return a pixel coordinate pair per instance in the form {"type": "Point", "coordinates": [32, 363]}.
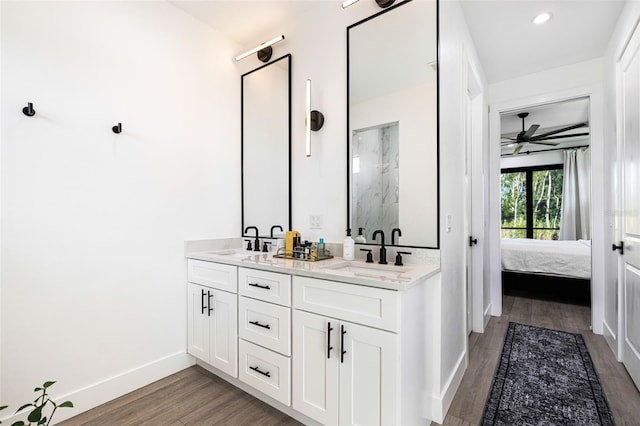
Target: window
{"type": "Point", "coordinates": [531, 202]}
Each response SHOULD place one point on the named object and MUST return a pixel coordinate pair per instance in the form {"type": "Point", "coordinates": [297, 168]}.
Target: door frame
{"type": "Point", "coordinates": [475, 148]}
{"type": "Point", "coordinates": [598, 241]}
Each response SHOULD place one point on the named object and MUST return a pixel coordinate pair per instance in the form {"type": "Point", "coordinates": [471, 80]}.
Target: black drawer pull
{"type": "Point", "coordinates": [267, 326]}
{"type": "Point", "coordinates": [257, 370]}
{"type": "Point", "coordinates": [202, 302]}
{"type": "Point", "coordinates": [342, 344]}
{"type": "Point", "coordinates": [266, 287]}
{"type": "Point", "coordinates": [329, 347]}
{"type": "Point", "coordinates": [210, 295]}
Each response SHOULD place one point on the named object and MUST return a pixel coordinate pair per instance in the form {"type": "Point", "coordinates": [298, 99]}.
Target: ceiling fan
{"type": "Point", "coordinates": [527, 136]}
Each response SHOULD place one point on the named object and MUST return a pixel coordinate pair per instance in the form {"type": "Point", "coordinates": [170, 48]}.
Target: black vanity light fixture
{"type": "Point", "coordinates": [28, 110]}
{"type": "Point", "coordinates": [382, 3]}
{"type": "Point", "coordinates": [264, 50]}
{"type": "Point", "coordinates": [117, 128]}
{"type": "Point", "coordinates": [313, 119]}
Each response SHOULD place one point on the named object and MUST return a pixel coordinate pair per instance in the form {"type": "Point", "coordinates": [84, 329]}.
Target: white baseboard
{"type": "Point", "coordinates": [487, 315]}
{"type": "Point", "coordinates": [113, 387]}
{"type": "Point", "coordinates": [610, 338]}
{"type": "Point", "coordinates": [442, 403]}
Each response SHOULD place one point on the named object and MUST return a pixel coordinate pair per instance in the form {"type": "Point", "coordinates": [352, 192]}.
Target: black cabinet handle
{"type": "Point", "coordinates": [257, 370]}
{"type": "Point", "coordinates": [620, 247]}
{"type": "Point", "coordinates": [329, 347]}
{"type": "Point", "coordinates": [209, 296]}
{"type": "Point", "coordinates": [342, 344]}
{"type": "Point", "coordinates": [266, 287]}
{"type": "Point", "coordinates": [202, 302]}
{"type": "Point", "coordinates": [472, 241]}
{"type": "Point", "coordinates": [267, 326]}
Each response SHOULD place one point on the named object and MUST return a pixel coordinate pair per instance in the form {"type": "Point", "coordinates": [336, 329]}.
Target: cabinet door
{"type": "Point", "coordinates": [369, 375]}
{"type": "Point", "coordinates": [315, 367]}
{"type": "Point", "coordinates": [197, 322]}
{"type": "Point", "coordinates": [223, 332]}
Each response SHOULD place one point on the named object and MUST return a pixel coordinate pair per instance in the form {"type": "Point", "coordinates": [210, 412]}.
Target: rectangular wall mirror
{"type": "Point", "coordinates": [266, 146]}
{"type": "Point", "coordinates": [392, 116]}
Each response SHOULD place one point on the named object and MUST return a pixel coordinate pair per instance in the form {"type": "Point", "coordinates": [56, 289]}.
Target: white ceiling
{"type": "Point", "coordinates": [243, 20]}
{"type": "Point", "coordinates": [510, 45]}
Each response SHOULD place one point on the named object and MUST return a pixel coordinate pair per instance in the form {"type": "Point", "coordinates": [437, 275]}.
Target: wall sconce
{"type": "Point", "coordinates": [264, 50]}
{"type": "Point", "coordinates": [313, 119]}
{"type": "Point", "coordinates": [382, 3]}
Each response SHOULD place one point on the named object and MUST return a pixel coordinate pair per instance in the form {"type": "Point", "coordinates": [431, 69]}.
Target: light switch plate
{"type": "Point", "coordinates": [315, 221]}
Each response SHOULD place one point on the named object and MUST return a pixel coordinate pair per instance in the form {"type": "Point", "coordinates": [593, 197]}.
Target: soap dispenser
{"type": "Point", "coordinates": [360, 238]}
{"type": "Point", "coordinates": [348, 247]}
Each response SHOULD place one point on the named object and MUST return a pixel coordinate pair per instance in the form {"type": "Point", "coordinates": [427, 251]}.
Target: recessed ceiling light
{"type": "Point", "coordinates": [542, 18]}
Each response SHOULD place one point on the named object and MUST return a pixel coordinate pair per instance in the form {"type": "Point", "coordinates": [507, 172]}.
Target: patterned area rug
{"type": "Point", "coordinates": [545, 377]}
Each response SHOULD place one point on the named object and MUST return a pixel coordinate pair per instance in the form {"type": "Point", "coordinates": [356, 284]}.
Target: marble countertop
{"type": "Point", "coordinates": [337, 269]}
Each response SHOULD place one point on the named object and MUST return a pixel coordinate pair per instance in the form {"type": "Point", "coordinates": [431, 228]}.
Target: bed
{"type": "Point", "coordinates": [547, 269]}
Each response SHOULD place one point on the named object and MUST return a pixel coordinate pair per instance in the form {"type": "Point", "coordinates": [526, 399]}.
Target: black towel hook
{"type": "Point", "coordinates": [117, 129]}
{"type": "Point", "coordinates": [28, 110]}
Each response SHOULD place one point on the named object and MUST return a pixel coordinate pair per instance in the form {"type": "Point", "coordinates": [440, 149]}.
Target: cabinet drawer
{"type": "Point", "coordinates": [215, 275]}
{"type": "Point", "coordinates": [265, 324]}
{"type": "Point", "coordinates": [264, 285]}
{"type": "Point", "coordinates": [266, 371]}
{"type": "Point", "coordinates": [371, 306]}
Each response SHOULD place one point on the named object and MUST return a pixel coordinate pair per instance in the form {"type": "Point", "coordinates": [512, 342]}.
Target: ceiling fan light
{"type": "Point", "coordinates": [542, 18]}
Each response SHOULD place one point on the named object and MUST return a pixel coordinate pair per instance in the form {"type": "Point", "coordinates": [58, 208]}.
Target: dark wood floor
{"type": "Point", "coordinates": [196, 397]}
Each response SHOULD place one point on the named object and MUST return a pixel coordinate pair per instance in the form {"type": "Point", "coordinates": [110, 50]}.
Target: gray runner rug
{"type": "Point", "coordinates": [545, 377]}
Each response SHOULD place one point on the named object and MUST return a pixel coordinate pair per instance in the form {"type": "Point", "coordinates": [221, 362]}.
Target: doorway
{"type": "Point", "coordinates": [497, 149]}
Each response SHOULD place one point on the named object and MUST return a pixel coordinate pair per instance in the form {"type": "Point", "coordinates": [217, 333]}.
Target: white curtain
{"type": "Point", "coordinates": [575, 223]}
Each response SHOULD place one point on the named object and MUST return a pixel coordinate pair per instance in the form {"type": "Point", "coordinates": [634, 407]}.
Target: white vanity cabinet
{"type": "Point", "coordinates": [347, 361]}
{"type": "Point", "coordinates": [213, 314]}
{"type": "Point", "coordinates": [265, 332]}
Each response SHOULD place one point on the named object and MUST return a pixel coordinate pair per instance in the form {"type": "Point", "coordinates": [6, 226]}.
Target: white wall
{"type": "Point", "coordinates": [531, 160]}
{"type": "Point", "coordinates": [456, 50]}
{"type": "Point", "coordinates": [93, 223]}
{"type": "Point", "coordinates": [624, 28]}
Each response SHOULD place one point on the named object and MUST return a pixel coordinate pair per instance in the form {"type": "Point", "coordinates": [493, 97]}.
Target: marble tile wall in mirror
{"type": "Point", "coordinates": [393, 124]}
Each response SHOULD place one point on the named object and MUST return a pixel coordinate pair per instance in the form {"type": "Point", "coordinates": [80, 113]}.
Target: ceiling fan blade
{"type": "Point", "coordinates": [517, 150]}
{"type": "Point", "coordinates": [555, 132]}
{"type": "Point", "coordinates": [572, 135]}
{"type": "Point", "coordinates": [529, 133]}
{"type": "Point", "coordinates": [544, 143]}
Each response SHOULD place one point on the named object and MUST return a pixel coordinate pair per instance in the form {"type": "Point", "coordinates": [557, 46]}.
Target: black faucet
{"type": "Point", "coordinates": [274, 227]}
{"type": "Point", "coordinates": [383, 250]}
{"type": "Point", "coordinates": [256, 246]}
{"type": "Point", "coordinates": [393, 235]}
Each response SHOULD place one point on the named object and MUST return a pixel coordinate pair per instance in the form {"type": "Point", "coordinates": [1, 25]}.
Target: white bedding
{"type": "Point", "coordinates": [559, 258]}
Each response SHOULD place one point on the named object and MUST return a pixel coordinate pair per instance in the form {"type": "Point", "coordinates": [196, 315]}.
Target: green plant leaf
{"type": "Point", "coordinates": [23, 407]}
{"type": "Point", "coordinates": [66, 404]}
{"type": "Point", "coordinates": [42, 421]}
{"type": "Point", "coordinates": [18, 423]}
{"type": "Point", "coordinates": [35, 415]}
{"type": "Point", "coordinates": [2, 407]}
{"type": "Point", "coordinates": [38, 389]}
{"type": "Point", "coordinates": [47, 384]}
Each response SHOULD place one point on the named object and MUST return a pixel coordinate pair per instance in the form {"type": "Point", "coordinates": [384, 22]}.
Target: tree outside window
{"type": "Point", "coordinates": [531, 202]}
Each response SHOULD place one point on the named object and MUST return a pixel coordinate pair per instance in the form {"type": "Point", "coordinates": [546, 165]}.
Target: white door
{"type": "Point", "coordinates": [315, 366]}
{"type": "Point", "coordinates": [469, 214]}
{"type": "Point", "coordinates": [630, 207]}
{"type": "Point", "coordinates": [222, 312]}
{"type": "Point", "coordinates": [369, 374]}
{"type": "Point", "coordinates": [197, 322]}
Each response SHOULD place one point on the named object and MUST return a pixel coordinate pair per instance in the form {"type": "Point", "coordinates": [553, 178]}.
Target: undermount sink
{"type": "Point", "coordinates": [370, 270]}
{"type": "Point", "coordinates": [235, 252]}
